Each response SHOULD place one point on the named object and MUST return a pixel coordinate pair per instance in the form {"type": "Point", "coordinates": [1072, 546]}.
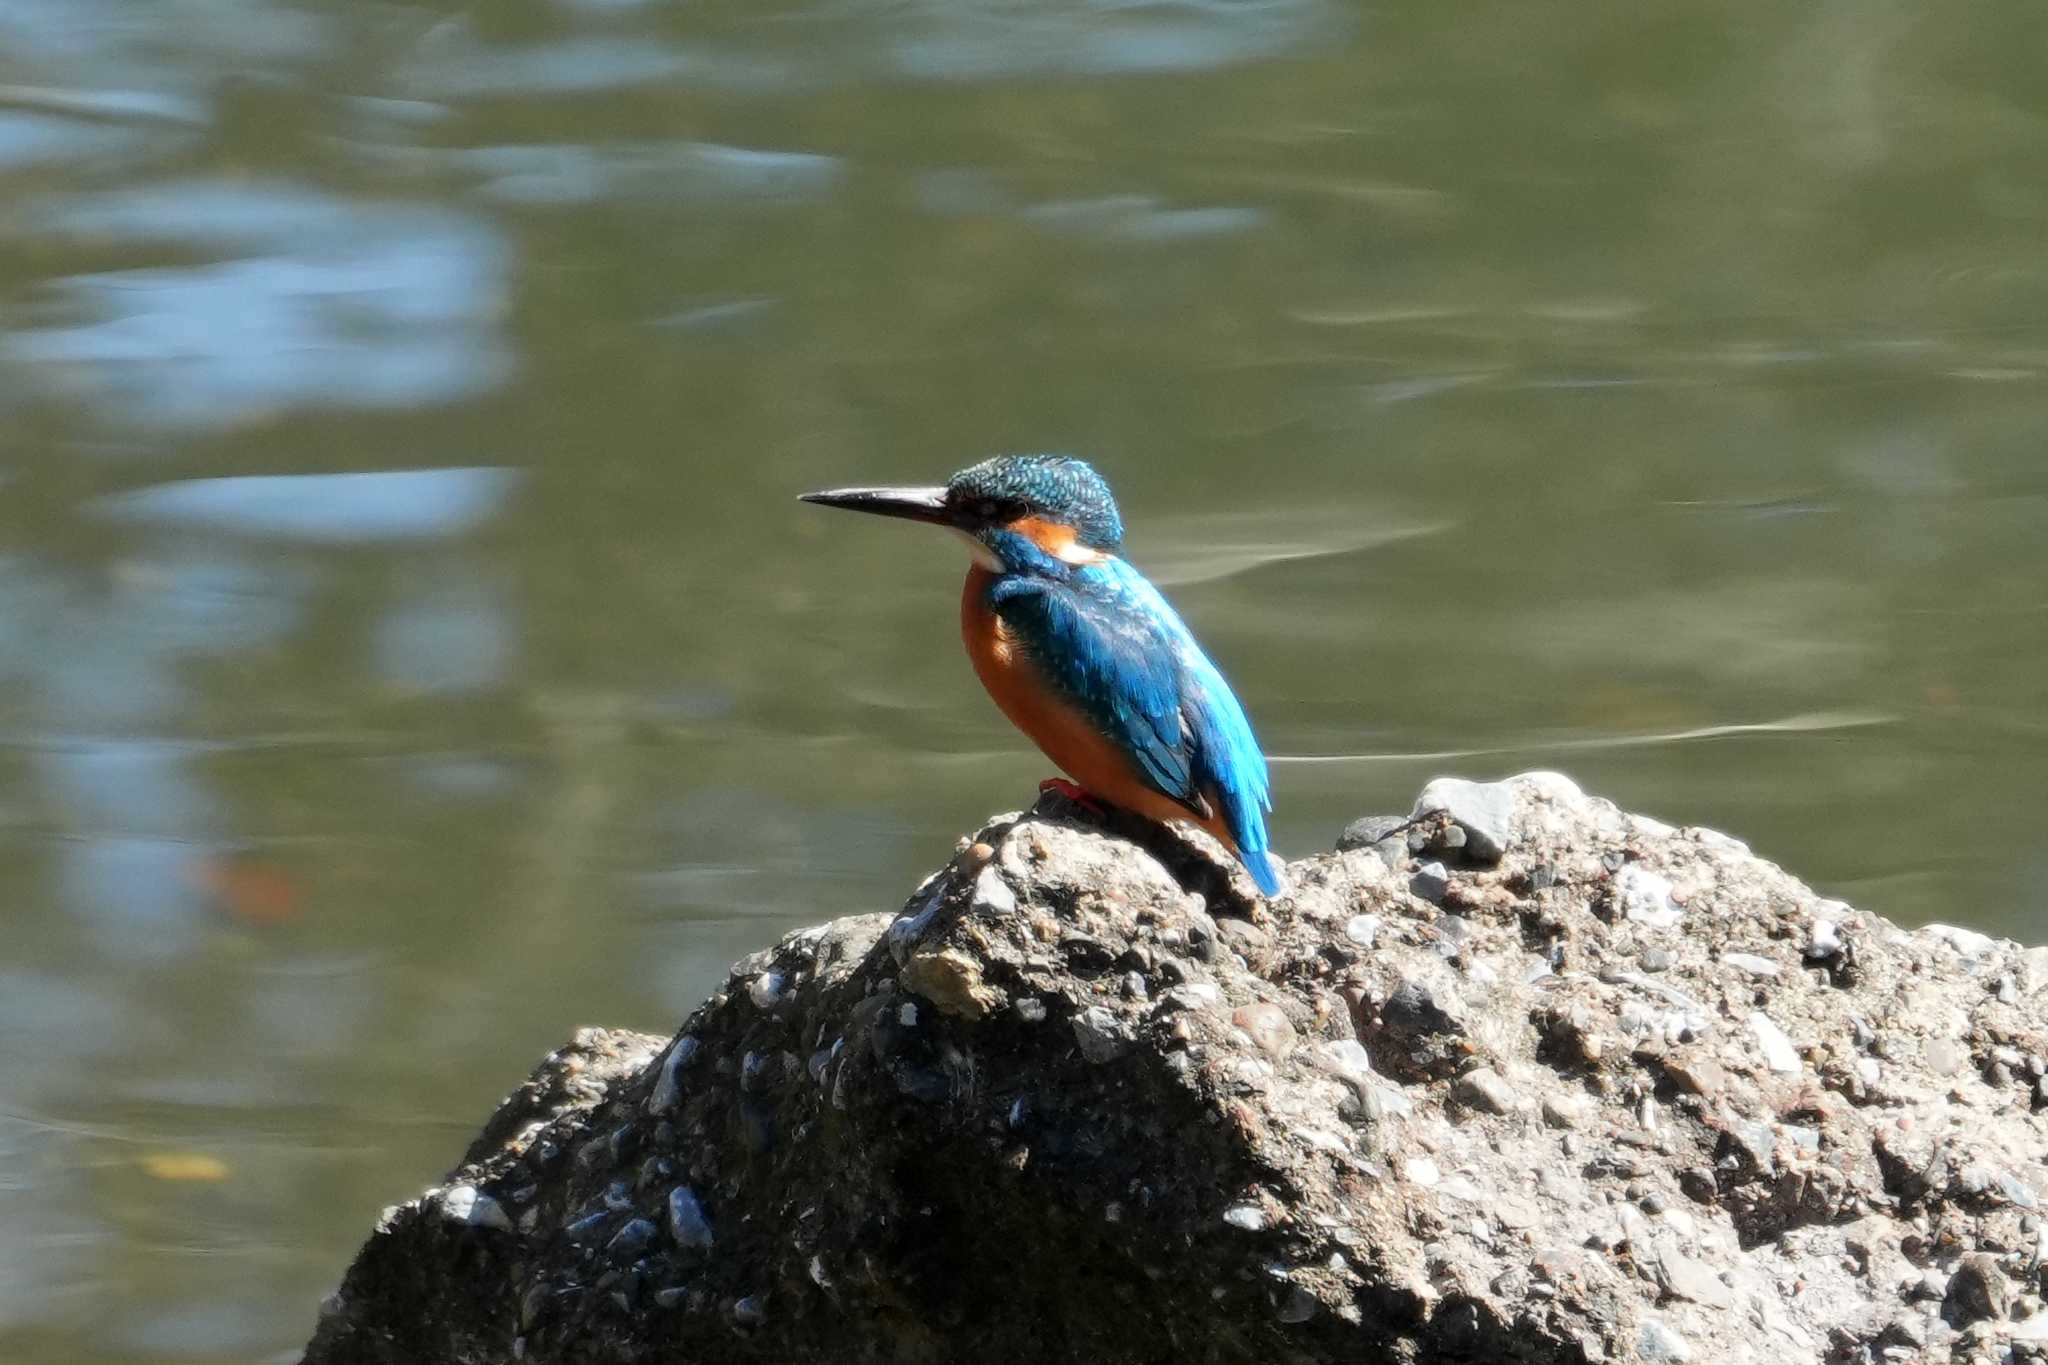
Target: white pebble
{"type": "Point", "coordinates": [1646, 898]}
{"type": "Point", "coordinates": [1825, 940]}
{"type": "Point", "coordinates": [1779, 1054]}
{"type": "Point", "coordinates": [1967, 942]}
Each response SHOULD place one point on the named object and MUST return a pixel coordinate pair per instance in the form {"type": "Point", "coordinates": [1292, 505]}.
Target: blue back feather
{"type": "Point", "coordinates": [1106, 640]}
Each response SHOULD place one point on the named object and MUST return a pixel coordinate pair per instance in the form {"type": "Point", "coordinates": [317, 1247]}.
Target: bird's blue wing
{"type": "Point", "coordinates": [1112, 644]}
{"type": "Point", "coordinates": [1227, 759]}
{"type": "Point", "coordinates": [1117, 665]}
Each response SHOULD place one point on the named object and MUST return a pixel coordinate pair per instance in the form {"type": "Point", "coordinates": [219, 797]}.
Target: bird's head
{"type": "Point", "coordinates": [1020, 513]}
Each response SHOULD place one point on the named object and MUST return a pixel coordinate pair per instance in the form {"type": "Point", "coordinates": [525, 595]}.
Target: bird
{"type": "Point", "coordinates": [1085, 656]}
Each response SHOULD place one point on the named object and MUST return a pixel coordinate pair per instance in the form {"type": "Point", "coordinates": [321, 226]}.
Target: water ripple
{"type": "Point", "coordinates": [395, 505]}
{"type": "Point", "coordinates": [1803, 723]}
{"type": "Point", "coordinates": [319, 301]}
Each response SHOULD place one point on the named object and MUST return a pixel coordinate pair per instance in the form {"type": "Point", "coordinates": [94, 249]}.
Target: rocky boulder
{"type": "Point", "coordinates": [1516, 1077]}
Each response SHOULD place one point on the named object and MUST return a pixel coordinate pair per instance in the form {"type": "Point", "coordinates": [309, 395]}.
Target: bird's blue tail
{"type": "Point", "coordinates": [1259, 863]}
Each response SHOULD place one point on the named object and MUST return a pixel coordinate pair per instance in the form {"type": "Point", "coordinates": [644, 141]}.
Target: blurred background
{"type": "Point", "coordinates": [410, 647]}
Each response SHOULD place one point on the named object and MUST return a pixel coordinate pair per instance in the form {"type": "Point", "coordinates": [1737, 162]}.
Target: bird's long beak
{"type": "Point", "coordinates": [912, 504]}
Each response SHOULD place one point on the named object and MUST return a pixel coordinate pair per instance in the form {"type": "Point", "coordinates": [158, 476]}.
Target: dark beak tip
{"type": "Point", "coordinates": [913, 504]}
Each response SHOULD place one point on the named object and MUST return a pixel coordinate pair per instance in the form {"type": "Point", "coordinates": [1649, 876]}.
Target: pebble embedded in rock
{"type": "Point", "coordinates": [1431, 882]}
{"type": "Point", "coordinates": [1368, 830]}
{"type": "Point", "coordinates": [1196, 995]}
{"type": "Point", "coordinates": [1646, 898]}
{"type": "Point", "coordinates": [1779, 1054]}
{"type": "Point", "coordinates": [468, 1205]}
{"type": "Point", "coordinates": [1246, 1217]}
{"type": "Point", "coordinates": [1683, 1277]}
{"type": "Point", "coordinates": [1977, 1291]}
{"type": "Point", "coordinates": [1657, 1343]}
{"type": "Point", "coordinates": [1296, 1305]}
{"type": "Point", "coordinates": [1751, 964]}
{"type": "Point", "coordinates": [668, 1081]}
{"type": "Point", "coordinates": [1966, 942]}
{"type": "Point", "coordinates": [1944, 1056]}
{"type": "Point", "coordinates": [634, 1237]}
{"type": "Point", "coordinates": [1362, 929]}
{"type": "Point", "coordinates": [1267, 1026]}
{"type": "Point", "coordinates": [1696, 1073]}
{"type": "Point", "coordinates": [1423, 1029]}
{"type": "Point", "coordinates": [1101, 1036]}
{"type": "Point", "coordinates": [1487, 1090]}
{"type": "Point", "coordinates": [952, 981]}
{"type": "Point", "coordinates": [1485, 811]}
{"type": "Point", "coordinates": [992, 895]}
{"type": "Point", "coordinates": [766, 990]}
{"type": "Point", "coordinates": [1824, 941]}
{"type": "Point", "coordinates": [687, 1225]}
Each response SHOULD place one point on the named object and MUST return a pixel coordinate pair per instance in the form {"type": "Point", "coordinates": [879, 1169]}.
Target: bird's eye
{"type": "Point", "coordinates": [987, 508]}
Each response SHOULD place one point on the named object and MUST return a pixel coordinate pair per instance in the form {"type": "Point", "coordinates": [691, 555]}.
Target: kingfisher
{"type": "Point", "coordinates": [1085, 656]}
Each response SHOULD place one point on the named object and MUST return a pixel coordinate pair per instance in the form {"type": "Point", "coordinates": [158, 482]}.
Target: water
{"type": "Point", "coordinates": [411, 648]}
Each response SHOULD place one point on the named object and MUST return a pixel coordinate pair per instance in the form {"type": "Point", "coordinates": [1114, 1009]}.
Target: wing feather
{"type": "Point", "coordinates": [1112, 645]}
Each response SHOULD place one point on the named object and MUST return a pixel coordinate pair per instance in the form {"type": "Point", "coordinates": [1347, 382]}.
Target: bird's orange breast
{"type": "Point", "coordinates": [1059, 728]}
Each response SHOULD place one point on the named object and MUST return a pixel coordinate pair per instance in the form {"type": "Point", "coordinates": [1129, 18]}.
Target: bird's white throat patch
{"type": "Point", "coordinates": [981, 553]}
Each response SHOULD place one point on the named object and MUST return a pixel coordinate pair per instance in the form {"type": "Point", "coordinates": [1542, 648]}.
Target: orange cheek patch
{"type": "Point", "coordinates": [1055, 538]}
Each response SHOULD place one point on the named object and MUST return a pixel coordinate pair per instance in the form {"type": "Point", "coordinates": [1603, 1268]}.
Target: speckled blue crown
{"type": "Point", "coordinates": [1057, 487]}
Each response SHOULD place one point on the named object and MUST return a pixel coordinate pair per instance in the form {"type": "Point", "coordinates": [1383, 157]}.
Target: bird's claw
{"type": "Point", "coordinates": [1075, 793]}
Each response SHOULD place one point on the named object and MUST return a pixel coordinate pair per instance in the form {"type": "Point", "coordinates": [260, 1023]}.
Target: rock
{"type": "Point", "coordinates": [686, 1221]}
{"type": "Point", "coordinates": [1485, 811]}
{"type": "Point", "coordinates": [1268, 1027]}
{"type": "Point", "coordinates": [1657, 1343]}
{"type": "Point", "coordinates": [669, 1084]}
{"type": "Point", "coordinates": [1430, 882]}
{"type": "Point", "coordinates": [1368, 830]}
{"type": "Point", "coordinates": [1696, 1073]}
{"type": "Point", "coordinates": [1976, 1292]}
{"type": "Point", "coordinates": [1968, 943]}
{"type": "Point", "coordinates": [1680, 1276]}
{"type": "Point", "coordinates": [1422, 1030]}
{"type": "Point", "coordinates": [468, 1205]}
{"type": "Point", "coordinates": [1246, 1218]}
{"type": "Point", "coordinates": [1484, 1089]}
{"type": "Point", "coordinates": [952, 981]}
{"type": "Point", "coordinates": [1101, 1036]}
{"type": "Point", "coordinates": [1779, 1054]}
{"type": "Point", "coordinates": [633, 1237]}
{"type": "Point", "coordinates": [1250, 941]}
{"type": "Point", "coordinates": [1944, 1056]}
{"type": "Point", "coordinates": [1646, 898]}
{"type": "Point", "coordinates": [1824, 940]}
{"type": "Point", "coordinates": [1057, 1110]}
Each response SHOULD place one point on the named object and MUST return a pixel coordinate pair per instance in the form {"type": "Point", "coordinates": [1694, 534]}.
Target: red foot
{"type": "Point", "coordinates": [1074, 793]}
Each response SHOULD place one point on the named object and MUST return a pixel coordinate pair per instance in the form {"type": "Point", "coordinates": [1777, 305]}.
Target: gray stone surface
{"type": "Point", "coordinates": [1484, 811]}
{"type": "Point", "coordinates": [1085, 1101]}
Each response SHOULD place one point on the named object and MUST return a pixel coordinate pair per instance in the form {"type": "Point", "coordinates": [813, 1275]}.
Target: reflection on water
{"type": "Point", "coordinates": [360, 508]}
{"type": "Point", "coordinates": [410, 648]}
{"type": "Point", "coordinates": [317, 301]}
